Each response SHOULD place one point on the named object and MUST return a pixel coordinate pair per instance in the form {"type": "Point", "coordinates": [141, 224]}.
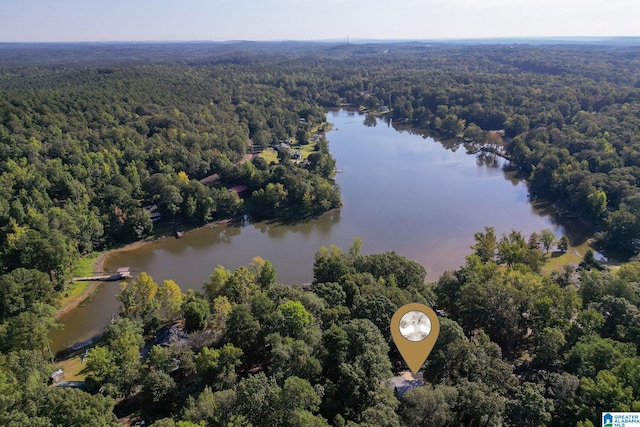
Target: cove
{"type": "Point", "coordinates": [401, 191]}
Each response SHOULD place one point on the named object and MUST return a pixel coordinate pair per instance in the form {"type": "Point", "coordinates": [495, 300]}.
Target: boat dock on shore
{"type": "Point", "coordinates": [121, 273]}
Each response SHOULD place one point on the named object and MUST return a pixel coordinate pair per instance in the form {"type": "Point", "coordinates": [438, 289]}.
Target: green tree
{"type": "Point", "coordinates": [516, 125]}
{"type": "Point", "coordinates": [621, 228]}
{"type": "Point", "coordinates": [594, 354]}
{"type": "Point", "coordinates": [158, 389]}
{"type": "Point", "coordinates": [590, 259]}
{"type": "Point", "coordinates": [512, 248]}
{"type": "Point", "coordinates": [330, 265]}
{"type": "Point", "coordinates": [605, 392]}
{"type": "Point", "coordinates": [29, 330]}
{"type": "Point", "coordinates": [359, 383]}
{"type": "Point", "coordinates": [478, 404]}
{"type": "Point", "coordinates": [530, 407]}
{"type": "Point", "coordinates": [485, 246]}
{"type": "Point", "coordinates": [258, 399]}
{"type": "Point", "coordinates": [221, 309]}
{"type": "Point", "coordinates": [294, 318]}
{"type": "Point", "coordinates": [267, 276]}
{"type": "Point", "coordinates": [241, 286]}
{"type": "Point", "coordinates": [242, 330]}
{"type": "Point", "coordinates": [21, 289]}
{"type": "Point", "coordinates": [116, 368]}
{"type": "Point", "coordinates": [138, 298]}
{"type": "Point", "coordinates": [207, 363]}
{"type": "Point", "coordinates": [101, 366]}
{"type": "Point", "coordinates": [550, 344]}
{"type": "Point", "coordinates": [597, 204]}
{"type": "Point", "coordinates": [562, 389]}
{"type": "Point", "coordinates": [73, 407]}
{"type": "Point", "coordinates": [563, 244]}
{"type": "Point", "coordinates": [429, 405]}
{"type": "Point", "coordinates": [291, 357]}
{"type": "Point", "coordinates": [170, 298]}
{"type": "Point", "coordinates": [204, 409]}
{"type": "Point", "coordinates": [218, 280]}
{"type": "Point", "coordinates": [196, 312]}
{"type": "Point", "coordinates": [547, 238]}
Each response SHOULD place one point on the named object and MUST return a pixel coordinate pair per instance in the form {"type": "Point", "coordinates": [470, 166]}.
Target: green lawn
{"type": "Point", "coordinates": [554, 261]}
{"type": "Point", "coordinates": [271, 155]}
{"type": "Point", "coordinates": [81, 268]}
{"type": "Point", "coordinates": [84, 266]}
{"type": "Point", "coordinates": [73, 367]}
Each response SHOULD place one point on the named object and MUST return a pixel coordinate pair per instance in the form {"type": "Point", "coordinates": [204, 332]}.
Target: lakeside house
{"type": "Point", "coordinates": [283, 146]}
{"type": "Point", "coordinates": [405, 381]}
{"type": "Point", "coordinates": [153, 212]}
{"type": "Point", "coordinates": [168, 335]}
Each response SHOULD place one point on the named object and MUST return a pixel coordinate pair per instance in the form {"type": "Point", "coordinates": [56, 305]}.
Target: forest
{"type": "Point", "coordinates": [90, 136]}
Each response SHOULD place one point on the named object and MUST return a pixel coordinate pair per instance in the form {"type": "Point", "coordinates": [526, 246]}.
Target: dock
{"type": "Point", "coordinates": [121, 273]}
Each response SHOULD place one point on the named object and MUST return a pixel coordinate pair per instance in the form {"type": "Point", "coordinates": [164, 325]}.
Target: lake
{"type": "Point", "coordinates": [401, 191]}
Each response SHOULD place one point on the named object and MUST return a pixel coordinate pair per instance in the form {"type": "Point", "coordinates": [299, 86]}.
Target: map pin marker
{"type": "Point", "coordinates": [415, 328]}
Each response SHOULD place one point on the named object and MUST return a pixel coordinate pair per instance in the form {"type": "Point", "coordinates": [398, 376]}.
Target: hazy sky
{"type": "Point", "coordinates": [122, 20]}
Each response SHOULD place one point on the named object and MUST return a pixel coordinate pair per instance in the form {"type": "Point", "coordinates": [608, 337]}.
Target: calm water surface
{"type": "Point", "coordinates": [401, 191]}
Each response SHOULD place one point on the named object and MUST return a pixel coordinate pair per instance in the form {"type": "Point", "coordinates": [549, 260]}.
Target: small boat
{"type": "Point", "coordinates": [80, 345]}
{"type": "Point", "coordinates": [178, 234]}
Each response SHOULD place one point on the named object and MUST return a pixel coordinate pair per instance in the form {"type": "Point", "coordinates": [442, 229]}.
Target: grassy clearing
{"type": "Point", "coordinates": [73, 367]}
{"type": "Point", "coordinates": [271, 155]}
{"type": "Point", "coordinates": [82, 268]}
{"type": "Point", "coordinates": [74, 290]}
{"type": "Point", "coordinates": [554, 261]}
{"type": "Point", "coordinates": [307, 149]}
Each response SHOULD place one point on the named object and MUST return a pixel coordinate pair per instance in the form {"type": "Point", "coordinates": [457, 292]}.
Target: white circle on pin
{"type": "Point", "coordinates": [415, 326]}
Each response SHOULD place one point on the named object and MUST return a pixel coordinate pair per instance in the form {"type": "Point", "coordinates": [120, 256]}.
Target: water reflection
{"type": "Point", "coordinates": [320, 226]}
{"type": "Point", "coordinates": [370, 120]}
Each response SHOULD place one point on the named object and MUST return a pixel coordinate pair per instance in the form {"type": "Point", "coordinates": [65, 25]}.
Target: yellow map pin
{"type": "Point", "coordinates": [415, 328]}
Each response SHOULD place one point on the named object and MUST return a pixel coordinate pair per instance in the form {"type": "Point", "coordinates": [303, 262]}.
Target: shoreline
{"type": "Point", "coordinates": [98, 265]}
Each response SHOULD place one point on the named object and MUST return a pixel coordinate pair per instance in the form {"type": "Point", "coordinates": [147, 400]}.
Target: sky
{"type": "Point", "coordinates": [222, 20]}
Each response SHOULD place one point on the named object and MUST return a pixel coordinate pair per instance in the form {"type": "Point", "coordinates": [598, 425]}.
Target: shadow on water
{"type": "Point", "coordinates": [489, 160]}
{"type": "Point", "coordinates": [576, 231]}
{"type": "Point", "coordinates": [279, 229]}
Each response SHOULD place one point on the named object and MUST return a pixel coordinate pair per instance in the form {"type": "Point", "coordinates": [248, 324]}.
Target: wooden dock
{"type": "Point", "coordinates": [122, 273]}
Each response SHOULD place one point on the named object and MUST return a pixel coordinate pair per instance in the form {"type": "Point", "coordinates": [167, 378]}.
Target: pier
{"type": "Point", "coordinates": [121, 273]}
